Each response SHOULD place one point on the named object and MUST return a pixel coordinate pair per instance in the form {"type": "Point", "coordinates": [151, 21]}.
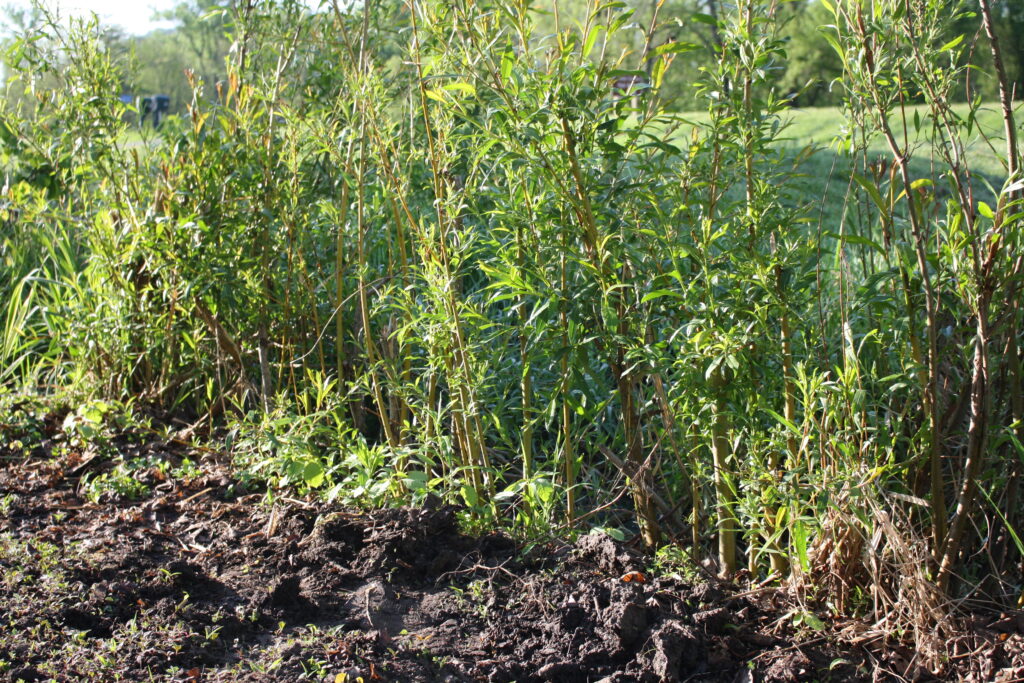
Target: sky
{"type": "Point", "coordinates": [134, 16]}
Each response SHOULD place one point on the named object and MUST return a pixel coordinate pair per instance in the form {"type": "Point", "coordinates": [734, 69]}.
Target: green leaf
{"type": "Point", "coordinates": [833, 41]}
{"type": "Point", "coordinates": [619, 21]}
{"type": "Point", "coordinates": [588, 44]}
{"type": "Point", "coordinates": [674, 47]}
{"type": "Point", "coordinates": [784, 422]}
{"type": "Point", "coordinates": [611, 531]}
{"type": "Point", "coordinates": [872, 191]}
{"type": "Point", "coordinates": [313, 474]}
{"type": "Point", "coordinates": [800, 538]}
{"type": "Point", "coordinates": [543, 490]}
{"type": "Point", "coordinates": [506, 495]}
{"type": "Point", "coordinates": [857, 239]}
{"type": "Point", "coordinates": [461, 86]}
{"type": "Point", "coordinates": [658, 72]}
{"type": "Point", "coordinates": [469, 495]}
{"type": "Point", "coordinates": [952, 44]}
{"type": "Point", "coordinates": [986, 210]}
{"type": "Point", "coordinates": [813, 621]}
{"type": "Point", "coordinates": [508, 60]}
{"type": "Point", "coordinates": [416, 480]}
{"type": "Point", "coordinates": [617, 4]}
{"type": "Point", "coordinates": [659, 293]}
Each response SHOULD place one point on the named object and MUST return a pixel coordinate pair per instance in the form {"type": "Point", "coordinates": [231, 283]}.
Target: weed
{"type": "Point", "coordinates": [186, 471]}
{"type": "Point", "coordinates": [675, 561]}
{"type": "Point", "coordinates": [120, 482]}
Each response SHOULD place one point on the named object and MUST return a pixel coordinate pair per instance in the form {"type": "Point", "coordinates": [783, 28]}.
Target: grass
{"type": "Point", "coordinates": [821, 126]}
{"type": "Point", "coordinates": [825, 175]}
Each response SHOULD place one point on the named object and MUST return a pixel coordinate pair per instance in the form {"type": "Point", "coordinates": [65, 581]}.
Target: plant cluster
{"type": "Point", "coordinates": [422, 248]}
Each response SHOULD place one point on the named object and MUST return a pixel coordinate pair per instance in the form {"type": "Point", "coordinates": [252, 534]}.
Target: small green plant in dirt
{"type": "Point", "coordinates": [6, 503]}
{"type": "Point", "coordinates": [41, 557]}
{"type": "Point", "coordinates": [22, 421]}
{"type": "Point", "coordinates": [120, 482]}
{"type": "Point", "coordinates": [806, 621]}
{"type": "Point", "coordinates": [672, 560]}
{"type": "Point", "coordinates": [94, 423]}
{"type": "Point", "coordinates": [476, 593]}
{"type": "Point", "coordinates": [316, 669]}
{"type": "Point", "coordinates": [368, 478]}
{"type": "Point", "coordinates": [310, 448]}
{"type": "Point", "coordinates": [283, 449]}
{"type": "Point", "coordinates": [186, 470]}
{"type": "Point", "coordinates": [531, 505]}
{"type": "Point", "coordinates": [167, 576]}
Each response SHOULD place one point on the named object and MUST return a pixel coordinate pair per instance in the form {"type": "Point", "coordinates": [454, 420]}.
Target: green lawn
{"type": "Point", "coordinates": [826, 174]}
{"type": "Point", "coordinates": [824, 127]}
{"type": "Point", "coordinates": [821, 126]}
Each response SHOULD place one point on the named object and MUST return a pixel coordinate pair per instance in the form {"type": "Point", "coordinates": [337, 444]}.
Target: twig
{"type": "Point", "coordinates": [195, 495]}
{"type": "Point", "coordinates": [477, 567]}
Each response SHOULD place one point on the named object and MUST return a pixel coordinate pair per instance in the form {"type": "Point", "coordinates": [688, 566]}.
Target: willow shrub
{"type": "Point", "coordinates": [423, 247]}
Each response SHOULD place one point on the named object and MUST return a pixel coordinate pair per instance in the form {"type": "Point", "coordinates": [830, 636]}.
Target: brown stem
{"type": "Point", "coordinates": [901, 159]}
{"type": "Point", "coordinates": [727, 524]}
{"type": "Point", "coordinates": [977, 433]}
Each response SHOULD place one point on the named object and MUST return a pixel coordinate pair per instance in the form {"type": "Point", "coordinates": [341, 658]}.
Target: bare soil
{"type": "Point", "coordinates": [199, 581]}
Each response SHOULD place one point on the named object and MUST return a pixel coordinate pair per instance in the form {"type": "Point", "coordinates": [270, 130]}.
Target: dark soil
{"type": "Point", "coordinates": [191, 583]}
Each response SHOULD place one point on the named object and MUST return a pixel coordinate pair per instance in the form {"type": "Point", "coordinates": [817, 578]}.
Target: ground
{"type": "Point", "coordinates": [190, 578]}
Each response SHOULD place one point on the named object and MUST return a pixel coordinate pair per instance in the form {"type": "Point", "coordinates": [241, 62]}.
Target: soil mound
{"type": "Point", "coordinates": [186, 585]}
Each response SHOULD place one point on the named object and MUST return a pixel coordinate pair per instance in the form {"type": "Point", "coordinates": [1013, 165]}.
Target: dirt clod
{"type": "Point", "coordinates": [624, 622]}
{"type": "Point", "coordinates": [712, 620]}
{"type": "Point", "coordinates": [601, 550]}
{"type": "Point", "coordinates": [678, 652]}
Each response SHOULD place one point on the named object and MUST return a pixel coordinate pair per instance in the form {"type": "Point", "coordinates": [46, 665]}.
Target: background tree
{"type": "Point", "coordinates": [198, 44]}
